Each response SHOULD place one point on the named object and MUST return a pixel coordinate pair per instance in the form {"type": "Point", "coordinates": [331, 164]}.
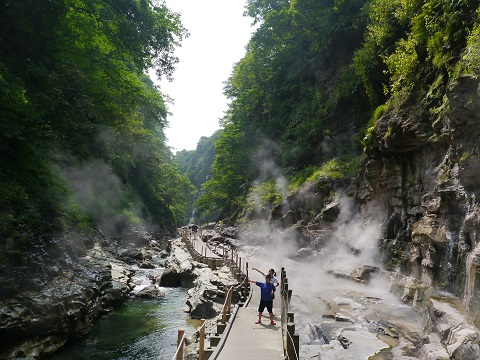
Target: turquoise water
{"type": "Point", "coordinates": [141, 329]}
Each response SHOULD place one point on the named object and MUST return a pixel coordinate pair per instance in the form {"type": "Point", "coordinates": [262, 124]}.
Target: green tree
{"type": "Point", "coordinates": [296, 87]}
{"type": "Point", "coordinates": [73, 91]}
{"type": "Point", "coordinates": [197, 164]}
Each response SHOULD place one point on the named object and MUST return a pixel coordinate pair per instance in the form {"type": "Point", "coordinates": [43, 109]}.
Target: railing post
{"type": "Point", "coordinates": [296, 346]}
{"type": "Point", "coordinates": [230, 300]}
{"type": "Point", "coordinates": [202, 340]}
{"type": "Point", "coordinates": [180, 344]}
{"type": "Point", "coordinates": [285, 294]}
{"type": "Point", "coordinates": [224, 315]}
{"type": "Point", "coordinates": [245, 289]}
{"type": "Point", "coordinates": [290, 345]}
{"type": "Point", "coordinates": [290, 317]}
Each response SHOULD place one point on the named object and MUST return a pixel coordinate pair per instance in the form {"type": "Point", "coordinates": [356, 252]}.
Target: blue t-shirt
{"type": "Point", "coordinates": [266, 290]}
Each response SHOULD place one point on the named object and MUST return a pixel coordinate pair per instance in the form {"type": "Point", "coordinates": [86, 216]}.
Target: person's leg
{"type": "Point", "coordinates": [270, 312]}
{"type": "Point", "coordinates": [271, 319]}
{"type": "Point", "coordinates": [261, 307]}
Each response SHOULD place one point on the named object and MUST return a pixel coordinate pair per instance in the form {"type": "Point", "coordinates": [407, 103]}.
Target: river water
{"type": "Point", "coordinates": [140, 329]}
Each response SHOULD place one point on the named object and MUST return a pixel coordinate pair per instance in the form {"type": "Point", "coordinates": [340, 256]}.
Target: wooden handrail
{"type": "Point", "coordinates": [236, 268]}
{"type": "Point", "coordinates": [290, 338]}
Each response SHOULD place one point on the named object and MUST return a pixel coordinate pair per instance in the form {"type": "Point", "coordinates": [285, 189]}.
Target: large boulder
{"type": "Point", "coordinates": [451, 322]}
{"type": "Point", "coordinates": [178, 267]}
{"type": "Point", "coordinates": [150, 292]}
{"type": "Point", "coordinates": [37, 323]}
{"type": "Point", "coordinates": [209, 290]}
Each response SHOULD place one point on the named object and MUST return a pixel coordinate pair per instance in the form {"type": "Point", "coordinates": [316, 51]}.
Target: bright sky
{"type": "Point", "coordinates": [218, 35]}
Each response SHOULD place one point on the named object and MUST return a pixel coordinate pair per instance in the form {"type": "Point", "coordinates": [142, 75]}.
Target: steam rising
{"type": "Point", "coordinates": [349, 242]}
{"type": "Point", "coordinates": [98, 190]}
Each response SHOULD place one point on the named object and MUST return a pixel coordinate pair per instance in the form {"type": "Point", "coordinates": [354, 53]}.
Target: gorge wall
{"type": "Point", "coordinates": [424, 166]}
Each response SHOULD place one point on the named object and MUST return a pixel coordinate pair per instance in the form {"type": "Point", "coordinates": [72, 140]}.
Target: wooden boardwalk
{"type": "Point", "coordinates": [250, 341]}
{"type": "Point", "coordinates": [242, 338]}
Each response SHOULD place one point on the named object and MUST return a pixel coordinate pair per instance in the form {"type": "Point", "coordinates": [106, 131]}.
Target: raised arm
{"type": "Point", "coordinates": [259, 271]}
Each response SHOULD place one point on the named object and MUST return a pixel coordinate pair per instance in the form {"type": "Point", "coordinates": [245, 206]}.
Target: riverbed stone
{"type": "Point", "coordinates": [352, 344]}
{"type": "Point", "coordinates": [433, 349]}
{"type": "Point", "coordinates": [150, 292]}
{"type": "Point", "coordinates": [178, 267]}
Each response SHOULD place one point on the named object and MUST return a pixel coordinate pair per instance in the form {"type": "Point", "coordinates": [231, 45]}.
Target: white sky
{"type": "Point", "coordinates": [218, 35]}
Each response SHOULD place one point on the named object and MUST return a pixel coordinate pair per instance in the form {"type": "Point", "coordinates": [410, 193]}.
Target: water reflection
{"type": "Point", "coordinates": [142, 329]}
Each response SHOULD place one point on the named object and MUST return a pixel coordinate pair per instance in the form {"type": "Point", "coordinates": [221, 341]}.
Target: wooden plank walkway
{"type": "Point", "coordinates": [251, 341]}
{"type": "Point", "coordinates": [201, 247]}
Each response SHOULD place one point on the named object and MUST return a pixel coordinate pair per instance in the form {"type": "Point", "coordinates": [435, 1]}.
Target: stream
{"type": "Point", "coordinates": [140, 329]}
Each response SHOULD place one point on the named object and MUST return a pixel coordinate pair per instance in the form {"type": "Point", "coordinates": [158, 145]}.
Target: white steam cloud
{"type": "Point", "coordinates": [349, 242]}
{"type": "Point", "coordinates": [98, 190]}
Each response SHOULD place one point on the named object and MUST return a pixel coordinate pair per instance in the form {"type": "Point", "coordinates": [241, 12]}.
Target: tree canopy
{"type": "Point", "coordinates": [74, 95]}
{"type": "Point", "coordinates": [314, 74]}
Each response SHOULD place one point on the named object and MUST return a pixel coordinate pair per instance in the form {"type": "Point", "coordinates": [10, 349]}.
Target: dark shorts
{"type": "Point", "coordinates": [265, 304]}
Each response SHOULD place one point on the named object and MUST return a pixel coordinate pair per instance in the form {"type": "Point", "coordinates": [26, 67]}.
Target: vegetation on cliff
{"type": "Point", "coordinates": [81, 126]}
{"type": "Point", "coordinates": [317, 76]}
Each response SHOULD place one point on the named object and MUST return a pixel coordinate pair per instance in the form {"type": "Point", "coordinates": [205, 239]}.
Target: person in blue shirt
{"type": "Point", "coordinates": [267, 290]}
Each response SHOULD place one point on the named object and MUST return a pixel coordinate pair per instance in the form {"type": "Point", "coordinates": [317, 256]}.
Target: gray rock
{"type": "Point", "coordinates": [150, 292]}
{"type": "Point", "coordinates": [433, 349]}
{"type": "Point", "coordinates": [146, 265]}
{"type": "Point", "coordinates": [178, 267]}
{"type": "Point", "coordinates": [453, 326]}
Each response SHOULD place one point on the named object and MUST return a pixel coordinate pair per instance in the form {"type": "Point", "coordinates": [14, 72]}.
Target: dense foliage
{"type": "Point", "coordinates": [197, 164]}
{"type": "Point", "coordinates": [82, 138]}
{"type": "Point", "coordinates": [81, 126]}
{"type": "Point", "coordinates": [316, 77]}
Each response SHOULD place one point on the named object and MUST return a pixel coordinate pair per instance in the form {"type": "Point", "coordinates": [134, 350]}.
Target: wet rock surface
{"type": "Point", "coordinates": [150, 292]}
{"type": "Point", "coordinates": [39, 322]}
{"type": "Point", "coordinates": [364, 322]}
{"type": "Point", "coordinates": [206, 286]}
{"type": "Point", "coordinates": [69, 284]}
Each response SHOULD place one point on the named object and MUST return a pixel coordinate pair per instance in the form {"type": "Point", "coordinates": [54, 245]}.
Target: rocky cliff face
{"type": "Point", "coordinates": [64, 287]}
{"type": "Point", "coordinates": [424, 166]}
{"type": "Point", "coordinates": [35, 323]}
{"type": "Point", "coordinates": [422, 176]}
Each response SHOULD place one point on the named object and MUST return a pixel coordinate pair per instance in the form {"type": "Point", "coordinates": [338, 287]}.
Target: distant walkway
{"type": "Point", "coordinates": [251, 341]}
{"type": "Point", "coordinates": [237, 336]}
{"type": "Point", "coordinates": [201, 247]}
